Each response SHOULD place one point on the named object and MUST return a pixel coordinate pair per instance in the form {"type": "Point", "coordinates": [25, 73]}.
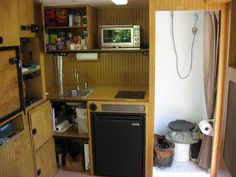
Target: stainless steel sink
{"type": "Point", "coordinates": [77, 93]}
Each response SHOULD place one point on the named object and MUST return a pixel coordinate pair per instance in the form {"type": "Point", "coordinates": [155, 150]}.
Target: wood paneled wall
{"type": "Point", "coordinates": [125, 16]}
{"type": "Point", "coordinates": [128, 69]}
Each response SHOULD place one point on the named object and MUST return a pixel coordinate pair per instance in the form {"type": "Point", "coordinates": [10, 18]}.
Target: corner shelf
{"type": "Point", "coordinates": [72, 132]}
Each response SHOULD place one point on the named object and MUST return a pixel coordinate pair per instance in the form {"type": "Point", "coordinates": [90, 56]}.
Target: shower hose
{"type": "Point", "coordinates": [194, 31]}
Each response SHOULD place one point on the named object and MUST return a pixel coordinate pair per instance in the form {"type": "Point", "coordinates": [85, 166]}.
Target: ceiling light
{"type": "Point", "coordinates": [120, 2]}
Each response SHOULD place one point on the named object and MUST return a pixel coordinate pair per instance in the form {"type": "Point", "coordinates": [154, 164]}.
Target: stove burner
{"type": "Point", "coordinates": [130, 94]}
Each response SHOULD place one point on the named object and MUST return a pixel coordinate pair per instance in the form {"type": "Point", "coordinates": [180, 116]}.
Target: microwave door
{"type": "Point", "coordinates": [11, 101]}
{"type": "Point", "coordinates": [117, 37]}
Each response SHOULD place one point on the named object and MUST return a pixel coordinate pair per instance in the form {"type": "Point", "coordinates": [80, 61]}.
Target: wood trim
{"type": "Point", "coordinates": [223, 55]}
{"type": "Point", "coordinates": [150, 124]}
{"type": "Point", "coordinates": [189, 5]}
{"type": "Point", "coordinates": [92, 27]}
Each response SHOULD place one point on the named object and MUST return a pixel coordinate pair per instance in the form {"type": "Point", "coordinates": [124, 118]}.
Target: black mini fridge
{"type": "Point", "coordinates": [118, 144]}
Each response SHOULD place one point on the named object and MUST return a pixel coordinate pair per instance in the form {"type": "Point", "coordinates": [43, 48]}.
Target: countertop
{"type": "Point", "coordinates": [100, 93]}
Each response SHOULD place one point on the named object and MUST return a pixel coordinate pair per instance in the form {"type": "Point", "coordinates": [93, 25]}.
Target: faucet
{"type": "Point", "coordinates": [77, 79]}
{"type": "Point", "coordinates": [85, 86]}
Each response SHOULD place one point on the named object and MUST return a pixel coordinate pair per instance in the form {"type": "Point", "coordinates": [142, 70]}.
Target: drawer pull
{"type": "Point", "coordinates": [1, 40]}
{"type": "Point", "coordinates": [39, 172]}
{"type": "Point", "coordinates": [34, 131]}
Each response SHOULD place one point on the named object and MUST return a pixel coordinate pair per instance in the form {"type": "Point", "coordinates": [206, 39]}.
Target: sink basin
{"type": "Point", "coordinates": [77, 93]}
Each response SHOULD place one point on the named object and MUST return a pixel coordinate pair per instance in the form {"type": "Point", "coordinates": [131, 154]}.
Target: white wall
{"type": "Point", "coordinates": [176, 98]}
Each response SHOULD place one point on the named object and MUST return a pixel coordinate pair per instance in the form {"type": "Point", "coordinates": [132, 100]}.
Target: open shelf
{"type": "Point", "coordinates": [66, 27]}
{"type": "Point", "coordinates": [72, 132]}
{"type": "Point", "coordinates": [145, 50]}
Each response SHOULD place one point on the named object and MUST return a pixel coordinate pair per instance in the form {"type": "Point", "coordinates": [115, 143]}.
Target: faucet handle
{"type": "Point", "coordinates": [85, 86]}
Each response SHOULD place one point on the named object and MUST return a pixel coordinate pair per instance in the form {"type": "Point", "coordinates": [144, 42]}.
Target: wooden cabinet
{"type": "Point", "coordinates": [45, 160]}
{"type": "Point", "coordinates": [70, 28]}
{"type": "Point", "coordinates": [10, 84]}
{"type": "Point", "coordinates": [26, 17]}
{"type": "Point", "coordinates": [16, 156]}
{"type": "Point", "coordinates": [9, 31]}
{"type": "Point", "coordinates": [40, 120]}
{"type": "Point", "coordinates": [41, 124]}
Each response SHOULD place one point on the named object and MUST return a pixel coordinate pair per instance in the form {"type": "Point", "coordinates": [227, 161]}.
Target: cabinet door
{"type": "Point", "coordinates": [46, 160]}
{"type": "Point", "coordinates": [10, 81]}
{"type": "Point", "coordinates": [41, 124]}
{"type": "Point", "coordinates": [26, 16]}
{"type": "Point", "coordinates": [9, 30]}
{"type": "Point", "coordinates": [16, 158]}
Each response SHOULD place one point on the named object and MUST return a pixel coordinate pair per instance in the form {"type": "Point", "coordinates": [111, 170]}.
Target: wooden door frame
{"type": "Point", "coordinates": [162, 5]}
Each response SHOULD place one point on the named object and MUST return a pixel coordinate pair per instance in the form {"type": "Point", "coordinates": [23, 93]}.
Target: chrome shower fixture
{"type": "Point", "coordinates": [194, 31]}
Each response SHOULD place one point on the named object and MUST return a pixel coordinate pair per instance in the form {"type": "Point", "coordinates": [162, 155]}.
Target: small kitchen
{"type": "Point", "coordinates": [84, 88]}
{"type": "Point", "coordinates": [115, 76]}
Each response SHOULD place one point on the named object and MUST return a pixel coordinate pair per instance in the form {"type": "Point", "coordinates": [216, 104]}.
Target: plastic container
{"type": "Point", "coordinates": [181, 152]}
{"type": "Point", "coordinates": [82, 120]}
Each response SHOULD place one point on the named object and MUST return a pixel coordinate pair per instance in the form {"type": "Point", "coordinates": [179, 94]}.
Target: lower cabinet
{"type": "Point", "coordinates": [16, 157]}
{"type": "Point", "coordinates": [45, 160]}
{"type": "Point", "coordinates": [40, 121]}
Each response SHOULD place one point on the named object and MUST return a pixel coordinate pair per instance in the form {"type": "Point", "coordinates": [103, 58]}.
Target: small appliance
{"type": "Point", "coordinates": [120, 36]}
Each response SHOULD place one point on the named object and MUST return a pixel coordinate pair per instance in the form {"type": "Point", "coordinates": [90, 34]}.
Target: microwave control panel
{"type": "Point", "coordinates": [136, 35]}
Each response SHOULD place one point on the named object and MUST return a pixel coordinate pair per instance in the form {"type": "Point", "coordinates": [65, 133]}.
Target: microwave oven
{"type": "Point", "coordinates": [120, 36]}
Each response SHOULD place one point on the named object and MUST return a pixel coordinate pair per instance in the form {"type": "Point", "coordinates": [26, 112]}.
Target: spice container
{"type": "Point", "coordinates": [70, 19]}
{"type": "Point", "coordinates": [84, 19]}
{"type": "Point", "coordinates": [77, 20]}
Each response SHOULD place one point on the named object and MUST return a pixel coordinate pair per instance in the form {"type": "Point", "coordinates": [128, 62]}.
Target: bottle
{"type": "Point", "coordinates": [70, 19]}
{"type": "Point", "coordinates": [77, 20]}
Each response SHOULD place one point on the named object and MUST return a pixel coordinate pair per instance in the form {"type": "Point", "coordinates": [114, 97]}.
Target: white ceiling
{"type": "Point", "coordinates": [95, 3]}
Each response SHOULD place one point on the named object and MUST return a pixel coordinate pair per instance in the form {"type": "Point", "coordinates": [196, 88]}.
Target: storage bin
{"type": "Point", "coordinates": [82, 120]}
{"type": "Point", "coordinates": [164, 152]}
{"type": "Point", "coordinates": [181, 152]}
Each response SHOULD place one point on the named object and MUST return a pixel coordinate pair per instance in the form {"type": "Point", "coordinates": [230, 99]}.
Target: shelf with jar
{"type": "Point", "coordinates": [70, 28]}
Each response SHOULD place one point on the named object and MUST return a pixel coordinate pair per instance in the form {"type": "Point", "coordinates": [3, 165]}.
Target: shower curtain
{"type": "Point", "coordinates": [210, 62]}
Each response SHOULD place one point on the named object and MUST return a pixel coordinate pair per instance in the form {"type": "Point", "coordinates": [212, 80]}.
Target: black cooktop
{"type": "Point", "coordinates": [130, 94]}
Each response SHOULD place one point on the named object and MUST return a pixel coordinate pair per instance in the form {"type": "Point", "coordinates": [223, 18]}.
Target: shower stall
{"type": "Point", "coordinates": [180, 76]}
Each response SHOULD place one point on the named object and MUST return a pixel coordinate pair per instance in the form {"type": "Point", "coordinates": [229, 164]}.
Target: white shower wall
{"type": "Point", "coordinates": [176, 98]}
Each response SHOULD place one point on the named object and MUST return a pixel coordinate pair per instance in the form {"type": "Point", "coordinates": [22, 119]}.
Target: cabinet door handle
{"type": "Point", "coordinates": [39, 172]}
{"type": "Point", "coordinates": [34, 131]}
{"type": "Point", "coordinates": [1, 40]}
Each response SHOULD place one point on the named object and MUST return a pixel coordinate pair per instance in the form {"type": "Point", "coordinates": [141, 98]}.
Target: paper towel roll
{"type": "Point", "coordinates": [206, 128]}
{"type": "Point", "coordinates": [61, 126]}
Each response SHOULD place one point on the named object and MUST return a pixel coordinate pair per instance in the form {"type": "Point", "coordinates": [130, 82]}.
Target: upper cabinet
{"type": "Point", "coordinates": [70, 28]}
{"type": "Point", "coordinates": [26, 17]}
{"type": "Point", "coordinates": [9, 35]}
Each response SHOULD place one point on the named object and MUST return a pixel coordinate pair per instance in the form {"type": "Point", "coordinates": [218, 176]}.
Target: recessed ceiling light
{"type": "Point", "coordinates": [75, 0]}
{"type": "Point", "coordinates": [120, 2]}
